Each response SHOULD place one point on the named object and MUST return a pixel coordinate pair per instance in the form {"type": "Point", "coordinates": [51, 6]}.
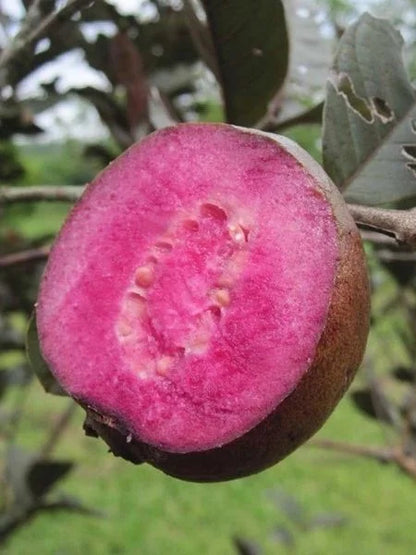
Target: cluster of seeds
{"type": "Point", "coordinates": [146, 353]}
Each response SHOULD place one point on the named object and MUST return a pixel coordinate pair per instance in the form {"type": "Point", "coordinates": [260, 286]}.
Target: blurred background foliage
{"type": "Point", "coordinates": [99, 80]}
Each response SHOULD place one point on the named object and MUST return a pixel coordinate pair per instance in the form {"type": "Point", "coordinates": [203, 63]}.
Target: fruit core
{"type": "Point", "coordinates": [181, 289]}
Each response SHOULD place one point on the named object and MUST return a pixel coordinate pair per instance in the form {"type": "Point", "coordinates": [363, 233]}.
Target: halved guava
{"type": "Point", "coordinates": [206, 301]}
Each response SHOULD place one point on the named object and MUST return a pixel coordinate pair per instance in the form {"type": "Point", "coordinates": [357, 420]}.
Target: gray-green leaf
{"type": "Point", "coordinates": [369, 140]}
{"type": "Point", "coordinates": [37, 361]}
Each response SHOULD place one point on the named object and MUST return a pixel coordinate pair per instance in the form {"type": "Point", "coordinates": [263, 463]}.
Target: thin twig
{"type": "Point", "coordinates": [69, 193]}
{"type": "Point", "coordinates": [21, 257]}
{"type": "Point", "coordinates": [384, 455]}
{"type": "Point", "coordinates": [272, 124]}
{"type": "Point", "coordinates": [33, 28]}
{"type": "Point", "coordinates": [57, 430]}
{"type": "Point", "coordinates": [400, 223]}
{"type": "Point", "coordinates": [201, 37]}
{"type": "Point", "coordinates": [20, 402]}
{"type": "Point", "coordinates": [380, 454]}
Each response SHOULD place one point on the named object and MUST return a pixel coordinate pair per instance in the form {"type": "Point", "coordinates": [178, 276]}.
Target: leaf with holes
{"type": "Point", "coordinates": [37, 361]}
{"type": "Point", "coordinates": [369, 137]}
{"type": "Point", "coordinates": [251, 45]}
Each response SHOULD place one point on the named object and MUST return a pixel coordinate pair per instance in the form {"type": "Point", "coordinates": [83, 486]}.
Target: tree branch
{"type": "Point", "coordinates": [380, 454]}
{"type": "Point", "coordinates": [24, 256]}
{"type": "Point", "coordinates": [68, 193]}
{"type": "Point", "coordinates": [34, 27]}
{"type": "Point", "coordinates": [399, 223]}
{"type": "Point", "coordinates": [309, 116]}
{"type": "Point", "coordinates": [58, 429]}
{"type": "Point", "coordinates": [201, 37]}
{"type": "Point", "coordinates": [395, 455]}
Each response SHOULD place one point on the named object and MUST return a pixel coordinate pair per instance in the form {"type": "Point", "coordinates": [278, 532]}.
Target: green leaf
{"type": "Point", "coordinates": [37, 361]}
{"type": "Point", "coordinates": [29, 480]}
{"type": "Point", "coordinates": [30, 477]}
{"type": "Point", "coordinates": [369, 140]}
{"type": "Point", "coordinates": [373, 402]}
{"type": "Point", "coordinates": [251, 44]}
{"type": "Point", "coordinates": [42, 475]}
{"type": "Point", "coordinates": [17, 465]}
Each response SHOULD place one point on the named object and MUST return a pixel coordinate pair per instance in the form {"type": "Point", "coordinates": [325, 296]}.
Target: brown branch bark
{"type": "Point", "coordinates": [24, 256]}
{"type": "Point", "coordinates": [400, 223]}
{"type": "Point", "coordinates": [394, 455]}
{"type": "Point", "coordinates": [68, 193]}
{"type": "Point", "coordinates": [378, 453]}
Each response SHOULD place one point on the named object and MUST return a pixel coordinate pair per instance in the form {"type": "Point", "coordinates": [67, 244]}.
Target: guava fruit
{"type": "Point", "coordinates": [206, 301]}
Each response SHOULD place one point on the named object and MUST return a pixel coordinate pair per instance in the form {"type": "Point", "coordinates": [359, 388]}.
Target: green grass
{"type": "Point", "coordinates": [147, 512]}
{"type": "Point", "coordinates": [36, 220]}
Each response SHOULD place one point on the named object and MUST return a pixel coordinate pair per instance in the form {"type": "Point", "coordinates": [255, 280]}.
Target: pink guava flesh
{"type": "Point", "coordinates": [189, 288]}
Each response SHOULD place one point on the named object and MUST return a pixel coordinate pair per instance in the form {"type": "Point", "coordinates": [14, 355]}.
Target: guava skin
{"type": "Point", "coordinates": [311, 392]}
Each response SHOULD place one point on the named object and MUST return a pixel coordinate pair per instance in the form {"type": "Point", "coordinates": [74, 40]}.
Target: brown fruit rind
{"type": "Point", "coordinates": [302, 413]}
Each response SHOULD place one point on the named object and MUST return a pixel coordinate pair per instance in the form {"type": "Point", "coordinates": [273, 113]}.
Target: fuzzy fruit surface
{"type": "Point", "coordinates": [206, 301]}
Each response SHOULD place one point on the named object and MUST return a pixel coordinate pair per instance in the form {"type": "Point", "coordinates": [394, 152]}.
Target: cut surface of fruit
{"type": "Point", "coordinates": [187, 292]}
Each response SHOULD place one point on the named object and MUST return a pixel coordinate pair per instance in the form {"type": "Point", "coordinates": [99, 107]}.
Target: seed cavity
{"type": "Point", "coordinates": [246, 232]}
{"type": "Point", "coordinates": [144, 276]}
{"type": "Point", "coordinates": [191, 225]}
{"type": "Point", "coordinates": [164, 246]}
{"type": "Point", "coordinates": [123, 328]}
{"type": "Point", "coordinates": [237, 234]}
{"type": "Point", "coordinates": [134, 304]}
{"type": "Point", "coordinates": [215, 312]}
{"type": "Point", "coordinates": [155, 346]}
{"type": "Point", "coordinates": [197, 345]}
{"type": "Point", "coordinates": [163, 365]}
{"type": "Point", "coordinates": [209, 210]}
{"type": "Point", "coordinates": [221, 297]}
